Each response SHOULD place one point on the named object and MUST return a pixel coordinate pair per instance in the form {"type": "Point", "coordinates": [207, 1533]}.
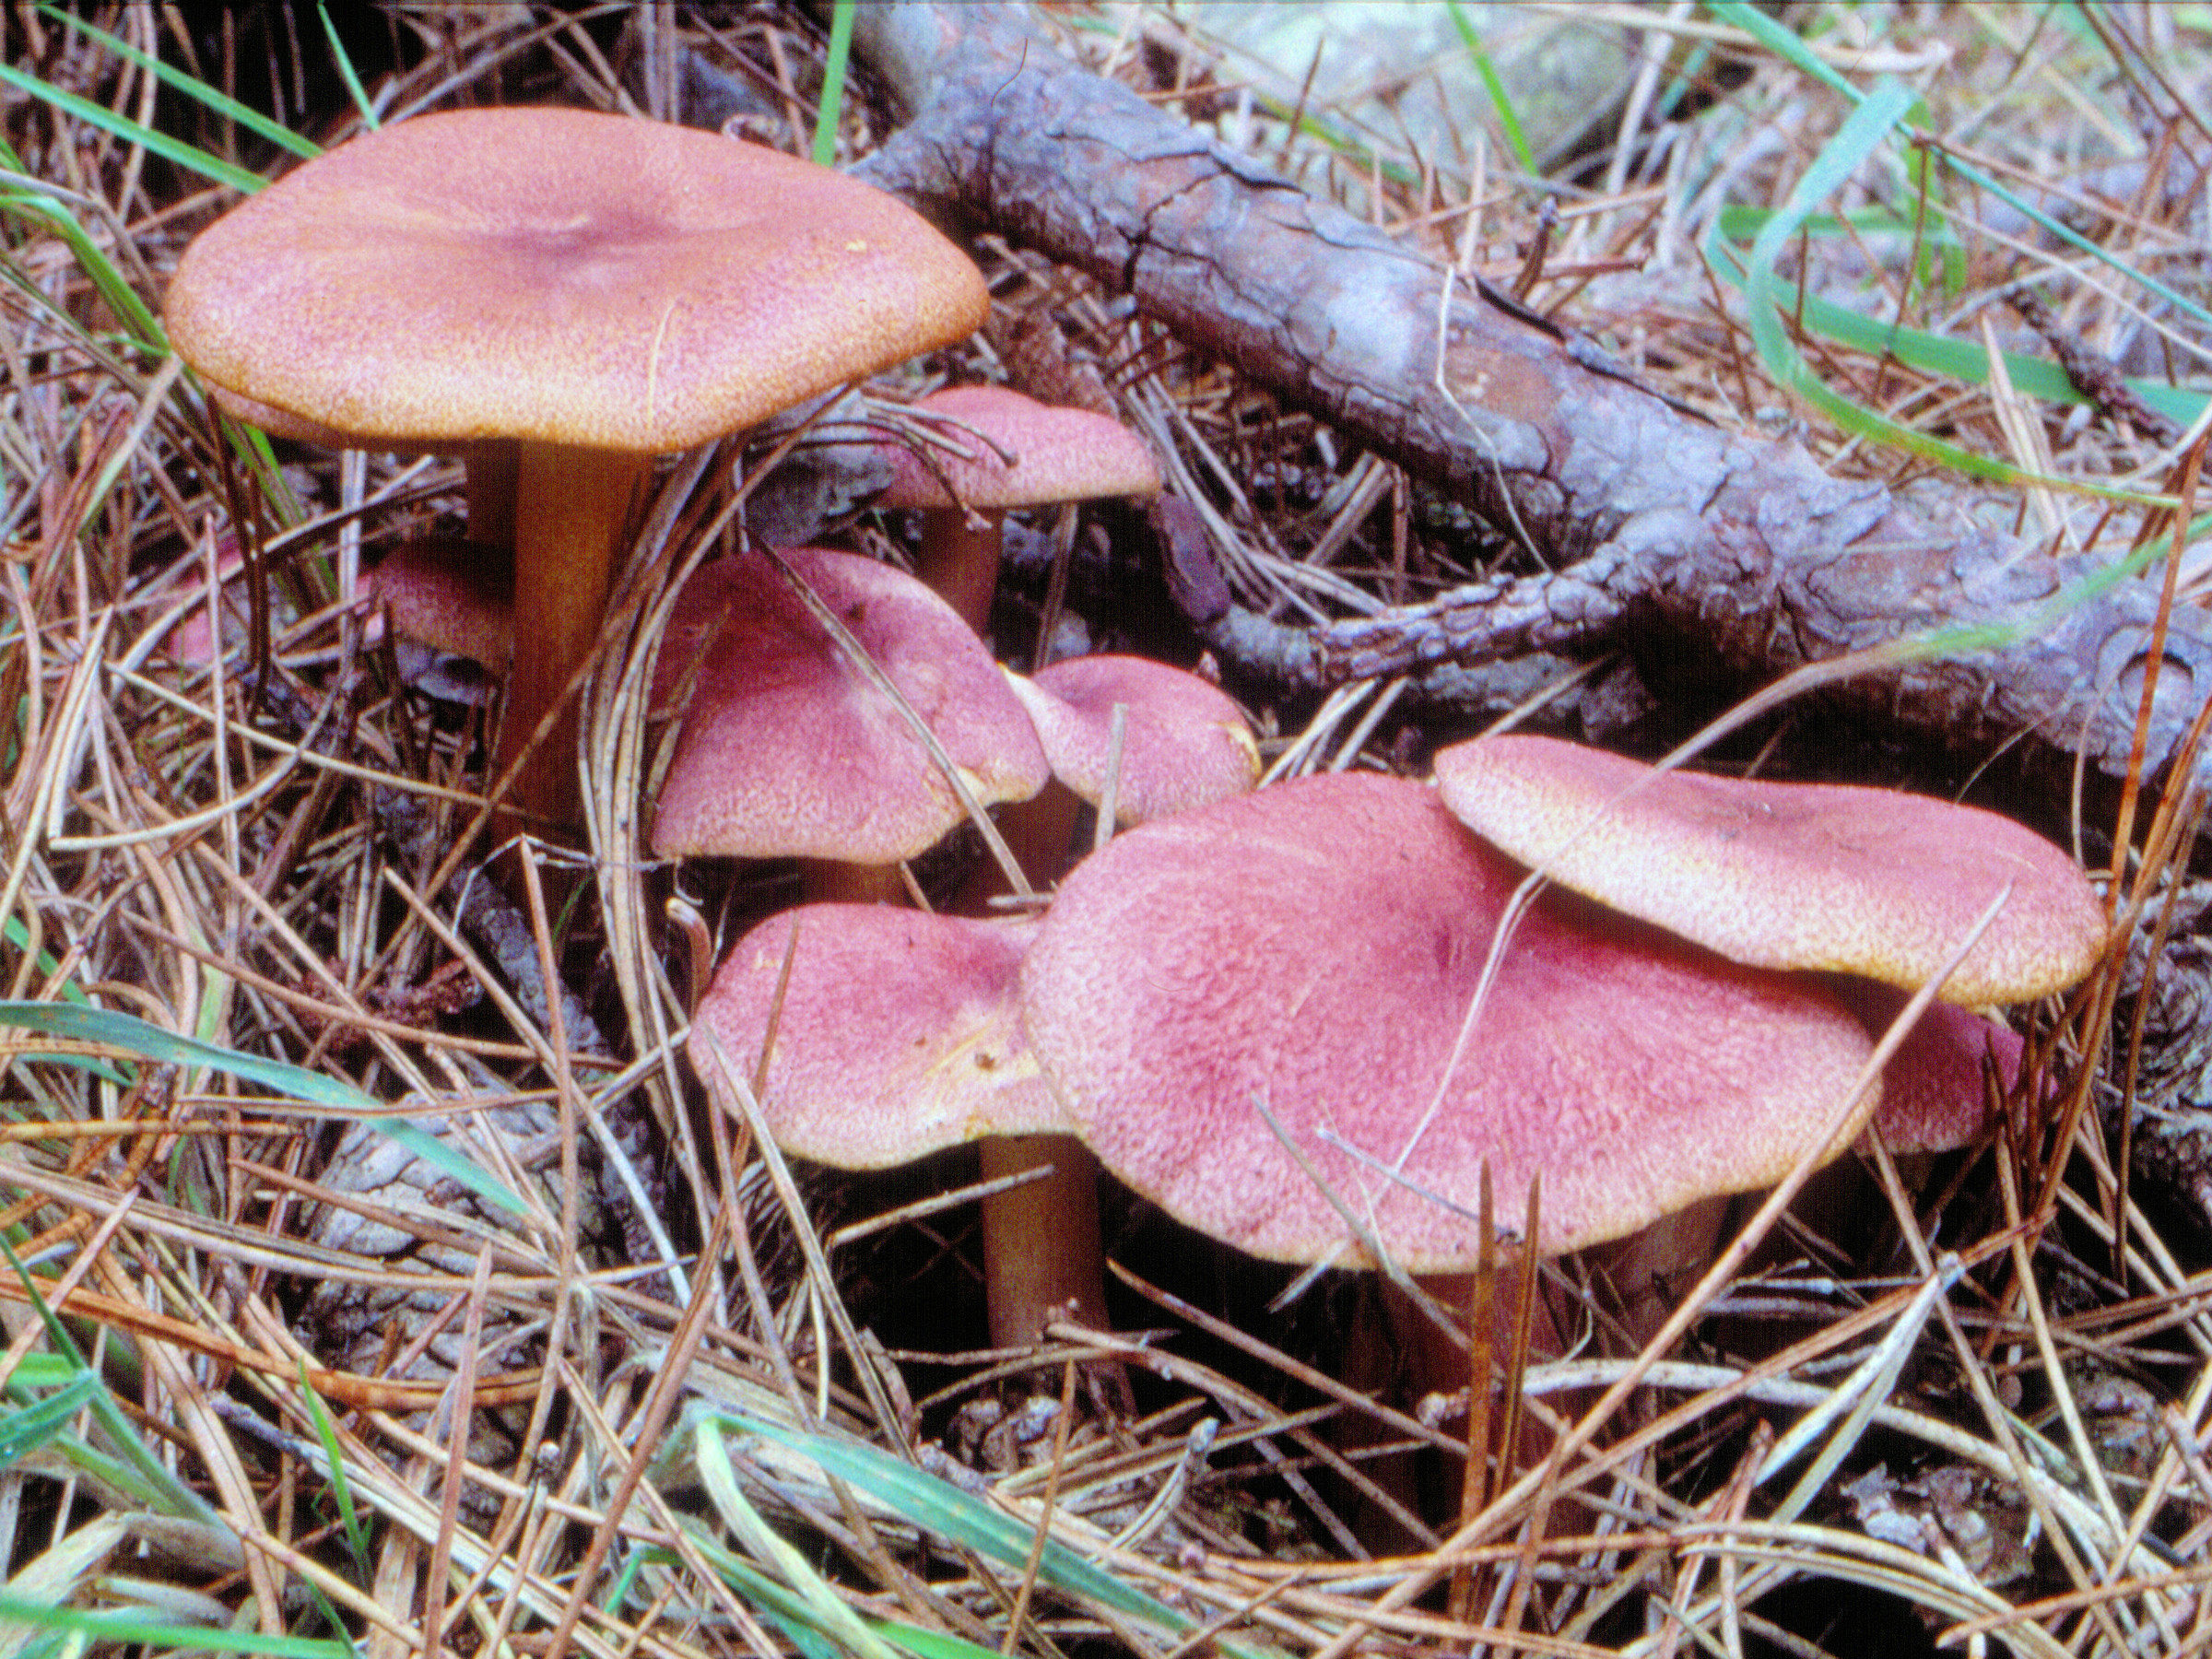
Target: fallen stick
{"type": "Point", "coordinates": [1685, 544]}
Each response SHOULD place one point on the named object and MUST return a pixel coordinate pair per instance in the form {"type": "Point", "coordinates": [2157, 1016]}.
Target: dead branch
{"type": "Point", "coordinates": [1672, 537]}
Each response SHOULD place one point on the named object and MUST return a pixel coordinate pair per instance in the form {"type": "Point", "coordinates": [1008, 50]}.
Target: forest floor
{"type": "Point", "coordinates": [364, 1293]}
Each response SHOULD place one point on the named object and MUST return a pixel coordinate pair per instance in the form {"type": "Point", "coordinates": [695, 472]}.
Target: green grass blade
{"type": "Point", "coordinates": [933, 1644]}
{"type": "Point", "coordinates": [17, 935]}
{"type": "Point", "coordinates": [149, 1042]}
{"type": "Point", "coordinates": [2075, 239]}
{"type": "Point", "coordinates": [191, 87]}
{"type": "Point", "coordinates": [34, 203]}
{"type": "Point", "coordinates": [145, 1474]}
{"type": "Point", "coordinates": [1786, 45]}
{"type": "Point", "coordinates": [1939, 354]}
{"type": "Point", "coordinates": [826, 1609]}
{"type": "Point", "coordinates": [781, 1605]}
{"type": "Point", "coordinates": [833, 83]}
{"type": "Point", "coordinates": [115, 1629]}
{"type": "Point", "coordinates": [184, 155]}
{"type": "Point", "coordinates": [43, 1370]}
{"type": "Point", "coordinates": [1868, 127]}
{"type": "Point", "coordinates": [24, 1431]}
{"type": "Point", "coordinates": [943, 1508]}
{"type": "Point", "coordinates": [354, 89]}
{"type": "Point", "coordinates": [790, 1613]}
{"type": "Point", "coordinates": [1509, 119]}
{"type": "Point", "coordinates": [341, 1489]}
{"type": "Point", "coordinates": [1782, 42]}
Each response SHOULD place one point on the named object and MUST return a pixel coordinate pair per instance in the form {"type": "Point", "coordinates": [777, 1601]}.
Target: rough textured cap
{"type": "Point", "coordinates": [560, 276]}
{"type": "Point", "coordinates": [897, 1035]}
{"type": "Point", "coordinates": [1184, 742]}
{"type": "Point", "coordinates": [1809, 876]}
{"type": "Point", "coordinates": [1314, 949]}
{"type": "Point", "coordinates": [1060, 455]}
{"type": "Point", "coordinates": [453, 595]}
{"type": "Point", "coordinates": [790, 751]}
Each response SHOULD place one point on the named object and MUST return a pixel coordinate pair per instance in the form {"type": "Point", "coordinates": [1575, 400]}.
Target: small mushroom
{"type": "Point", "coordinates": [895, 1036]}
{"type": "Point", "coordinates": [456, 596]}
{"type": "Point", "coordinates": [1184, 742]}
{"type": "Point", "coordinates": [1933, 1096]}
{"type": "Point", "coordinates": [789, 749]}
{"type": "Point", "coordinates": [561, 296]}
{"type": "Point", "coordinates": [1059, 455]}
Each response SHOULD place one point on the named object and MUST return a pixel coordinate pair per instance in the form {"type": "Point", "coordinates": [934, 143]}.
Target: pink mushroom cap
{"type": "Point", "coordinates": [1060, 455]}
{"type": "Point", "coordinates": [558, 275]}
{"type": "Point", "coordinates": [1314, 949]}
{"type": "Point", "coordinates": [1184, 742]}
{"type": "Point", "coordinates": [789, 750]}
{"type": "Point", "coordinates": [898, 1033]}
{"type": "Point", "coordinates": [456, 595]}
{"type": "Point", "coordinates": [1799, 876]}
{"type": "Point", "coordinates": [1933, 1096]}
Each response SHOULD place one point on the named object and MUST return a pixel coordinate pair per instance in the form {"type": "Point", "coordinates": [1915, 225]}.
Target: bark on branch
{"type": "Point", "coordinates": [1669, 534]}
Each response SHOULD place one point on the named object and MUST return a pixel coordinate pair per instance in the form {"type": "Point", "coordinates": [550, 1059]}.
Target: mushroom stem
{"type": "Point", "coordinates": [572, 508]}
{"type": "Point", "coordinates": [1041, 1259]}
{"type": "Point", "coordinates": [827, 881]}
{"type": "Point", "coordinates": [493, 468]}
{"type": "Point", "coordinates": [1651, 1268]}
{"type": "Point", "coordinates": [1041, 833]}
{"type": "Point", "coordinates": [958, 559]}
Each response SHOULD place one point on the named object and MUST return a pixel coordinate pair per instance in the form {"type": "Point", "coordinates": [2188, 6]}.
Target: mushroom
{"type": "Point", "coordinates": [789, 749]}
{"type": "Point", "coordinates": [1847, 881]}
{"type": "Point", "coordinates": [1059, 455]}
{"type": "Point", "coordinates": [1297, 966]}
{"type": "Point", "coordinates": [561, 296]}
{"type": "Point", "coordinates": [1798, 876]}
{"type": "Point", "coordinates": [895, 1035]}
{"type": "Point", "coordinates": [1184, 742]}
{"type": "Point", "coordinates": [455, 595]}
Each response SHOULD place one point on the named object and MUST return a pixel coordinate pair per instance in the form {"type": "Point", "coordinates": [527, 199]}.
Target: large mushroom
{"type": "Point", "coordinates": [1849, 881]}
{"type": "Point", "coordinates": [1301, 962]}
{"type": "Point", "coordinates": [559, 296]}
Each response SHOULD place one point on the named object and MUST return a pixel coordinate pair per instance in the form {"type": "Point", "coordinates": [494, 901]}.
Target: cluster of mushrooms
{"type": "Point", "coordinates": [1299, 1019]}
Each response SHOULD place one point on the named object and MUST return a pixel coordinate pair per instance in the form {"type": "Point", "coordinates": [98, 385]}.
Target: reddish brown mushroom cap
{"type": "Point", "coordinates": [896, 1036]}
{"type": "Point", "coordinates": [1313, 948]}
{"type": "Point", "coordinates": [1797, 875]}
{"type": "Point", "coordinates": [1060, 455]}
{"type": "Point", "coordinates": [456, 595]}
{"type": "Point", "coordinates": [559, 275]}
{"type": "Point", "coordinates": [790, 751]}
{"type": "Point", "coordinates": [1184, 742]}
